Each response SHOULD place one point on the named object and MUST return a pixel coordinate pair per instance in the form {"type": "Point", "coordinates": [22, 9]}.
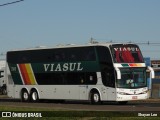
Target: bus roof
{"type": "Point", "coordinates": [69, 46]}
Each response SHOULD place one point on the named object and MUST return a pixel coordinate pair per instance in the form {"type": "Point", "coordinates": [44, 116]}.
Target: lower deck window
{"type": "Point", "coordinates": [72, 78]}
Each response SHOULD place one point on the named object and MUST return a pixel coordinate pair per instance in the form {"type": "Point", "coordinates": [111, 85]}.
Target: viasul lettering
{"type": "Point", "coordinates": [62, 67]}
{"type": "Point", "coordinates": [126, 49]}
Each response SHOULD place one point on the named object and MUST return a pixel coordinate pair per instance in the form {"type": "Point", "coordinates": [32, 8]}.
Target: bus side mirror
{"type": "Point", "coordinates": [118, 73]}
{"type": "Point", "coordinates": [150, 69]}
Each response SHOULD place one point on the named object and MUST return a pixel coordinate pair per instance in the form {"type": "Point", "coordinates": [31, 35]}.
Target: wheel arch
{"type": "Point", "coordinates": [24, 88]}
{"type": "Point", "coordinates": [94, 90]}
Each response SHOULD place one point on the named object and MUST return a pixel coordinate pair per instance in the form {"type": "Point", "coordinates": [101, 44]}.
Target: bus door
{"type": "Point", "coordinates": [111, 93]}
{"type": "Point", "coordinates": [108, 80]}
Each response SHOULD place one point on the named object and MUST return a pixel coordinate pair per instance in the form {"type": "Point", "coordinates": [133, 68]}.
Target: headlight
{"type": "Point", "coordinates": [144, 92]}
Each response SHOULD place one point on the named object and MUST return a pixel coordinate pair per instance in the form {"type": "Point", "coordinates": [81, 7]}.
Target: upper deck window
{"type": "Point", "coordinates": [126, 53]}
{"type": "Point", "coordinates": [52, 55]}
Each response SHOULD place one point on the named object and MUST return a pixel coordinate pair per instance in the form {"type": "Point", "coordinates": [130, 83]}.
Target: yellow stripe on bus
{"type": "Point", "coordinates": [30, 74]}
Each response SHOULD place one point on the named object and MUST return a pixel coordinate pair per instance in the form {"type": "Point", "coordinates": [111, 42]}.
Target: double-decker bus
{"type": "Point", "coordinates": [94, 72]}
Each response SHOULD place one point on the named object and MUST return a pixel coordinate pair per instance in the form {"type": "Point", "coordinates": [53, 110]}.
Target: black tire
{"type": "Point", "coordinates": [25, 96]}
{"type": "Point", "coordinates": [95, 98]}
{"type": "Point", "coordinates": [34, 96]}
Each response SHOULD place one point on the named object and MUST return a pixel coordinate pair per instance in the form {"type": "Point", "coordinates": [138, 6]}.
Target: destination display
{"type": "Point", "coordinates": [126, 54]}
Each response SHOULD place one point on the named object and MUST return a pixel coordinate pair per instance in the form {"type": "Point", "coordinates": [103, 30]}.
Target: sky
{"type": "Point", "coordinates": [33, 23]}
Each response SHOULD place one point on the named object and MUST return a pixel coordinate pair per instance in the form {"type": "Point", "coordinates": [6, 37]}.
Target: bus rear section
{"type": "Point", "coordinates": [69, 73]}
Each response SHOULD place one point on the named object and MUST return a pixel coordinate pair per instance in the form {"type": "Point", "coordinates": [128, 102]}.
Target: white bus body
{"type": "Point", "coordinates": [31, 77]}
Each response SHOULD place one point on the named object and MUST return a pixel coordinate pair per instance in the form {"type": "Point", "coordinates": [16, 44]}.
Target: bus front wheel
{"type": "Point", "coordinates": [95, 98]}
{"type": "Point", "coordinates": [34, 96]}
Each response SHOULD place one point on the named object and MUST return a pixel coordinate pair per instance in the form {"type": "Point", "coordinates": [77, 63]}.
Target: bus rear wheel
{"type": "Point", "coordinates": [34, 96]}
{"type": "Point", "coordinates": [25, 96]}
{"type": "Point", "coordinates": [95, 98]}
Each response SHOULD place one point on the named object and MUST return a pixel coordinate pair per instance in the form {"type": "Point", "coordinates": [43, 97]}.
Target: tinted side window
{"type": "Point", "coordinates": [108, 78]}
{"type": "Point", "coordinates": [70, 78]}
{"type": "Point", "coordinates": [104, 54]}
{"type": "Point", "coordinates": [91, 78]}
{"type": "Point", "coordinates": [49, 79]}
{"type": "Point", "coordinates": [52, 55]}
{"type": "Point", "coordinates": [106, 65]}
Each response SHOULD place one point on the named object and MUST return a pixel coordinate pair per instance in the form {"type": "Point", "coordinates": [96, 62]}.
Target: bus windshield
{"type": "Point", "coordinates": [132, 78]}
{"type": "Point", "coordinates": [126, 53]}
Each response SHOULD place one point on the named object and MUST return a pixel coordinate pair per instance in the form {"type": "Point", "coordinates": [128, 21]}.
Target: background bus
{"type": "Point", "coordinates": [3, 81]}
{"type": "Point", "coordinates": [96, 72]}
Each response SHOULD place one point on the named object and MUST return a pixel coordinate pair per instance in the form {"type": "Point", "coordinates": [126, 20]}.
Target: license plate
{"type": "Point", "coordinates": [134, 97]}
